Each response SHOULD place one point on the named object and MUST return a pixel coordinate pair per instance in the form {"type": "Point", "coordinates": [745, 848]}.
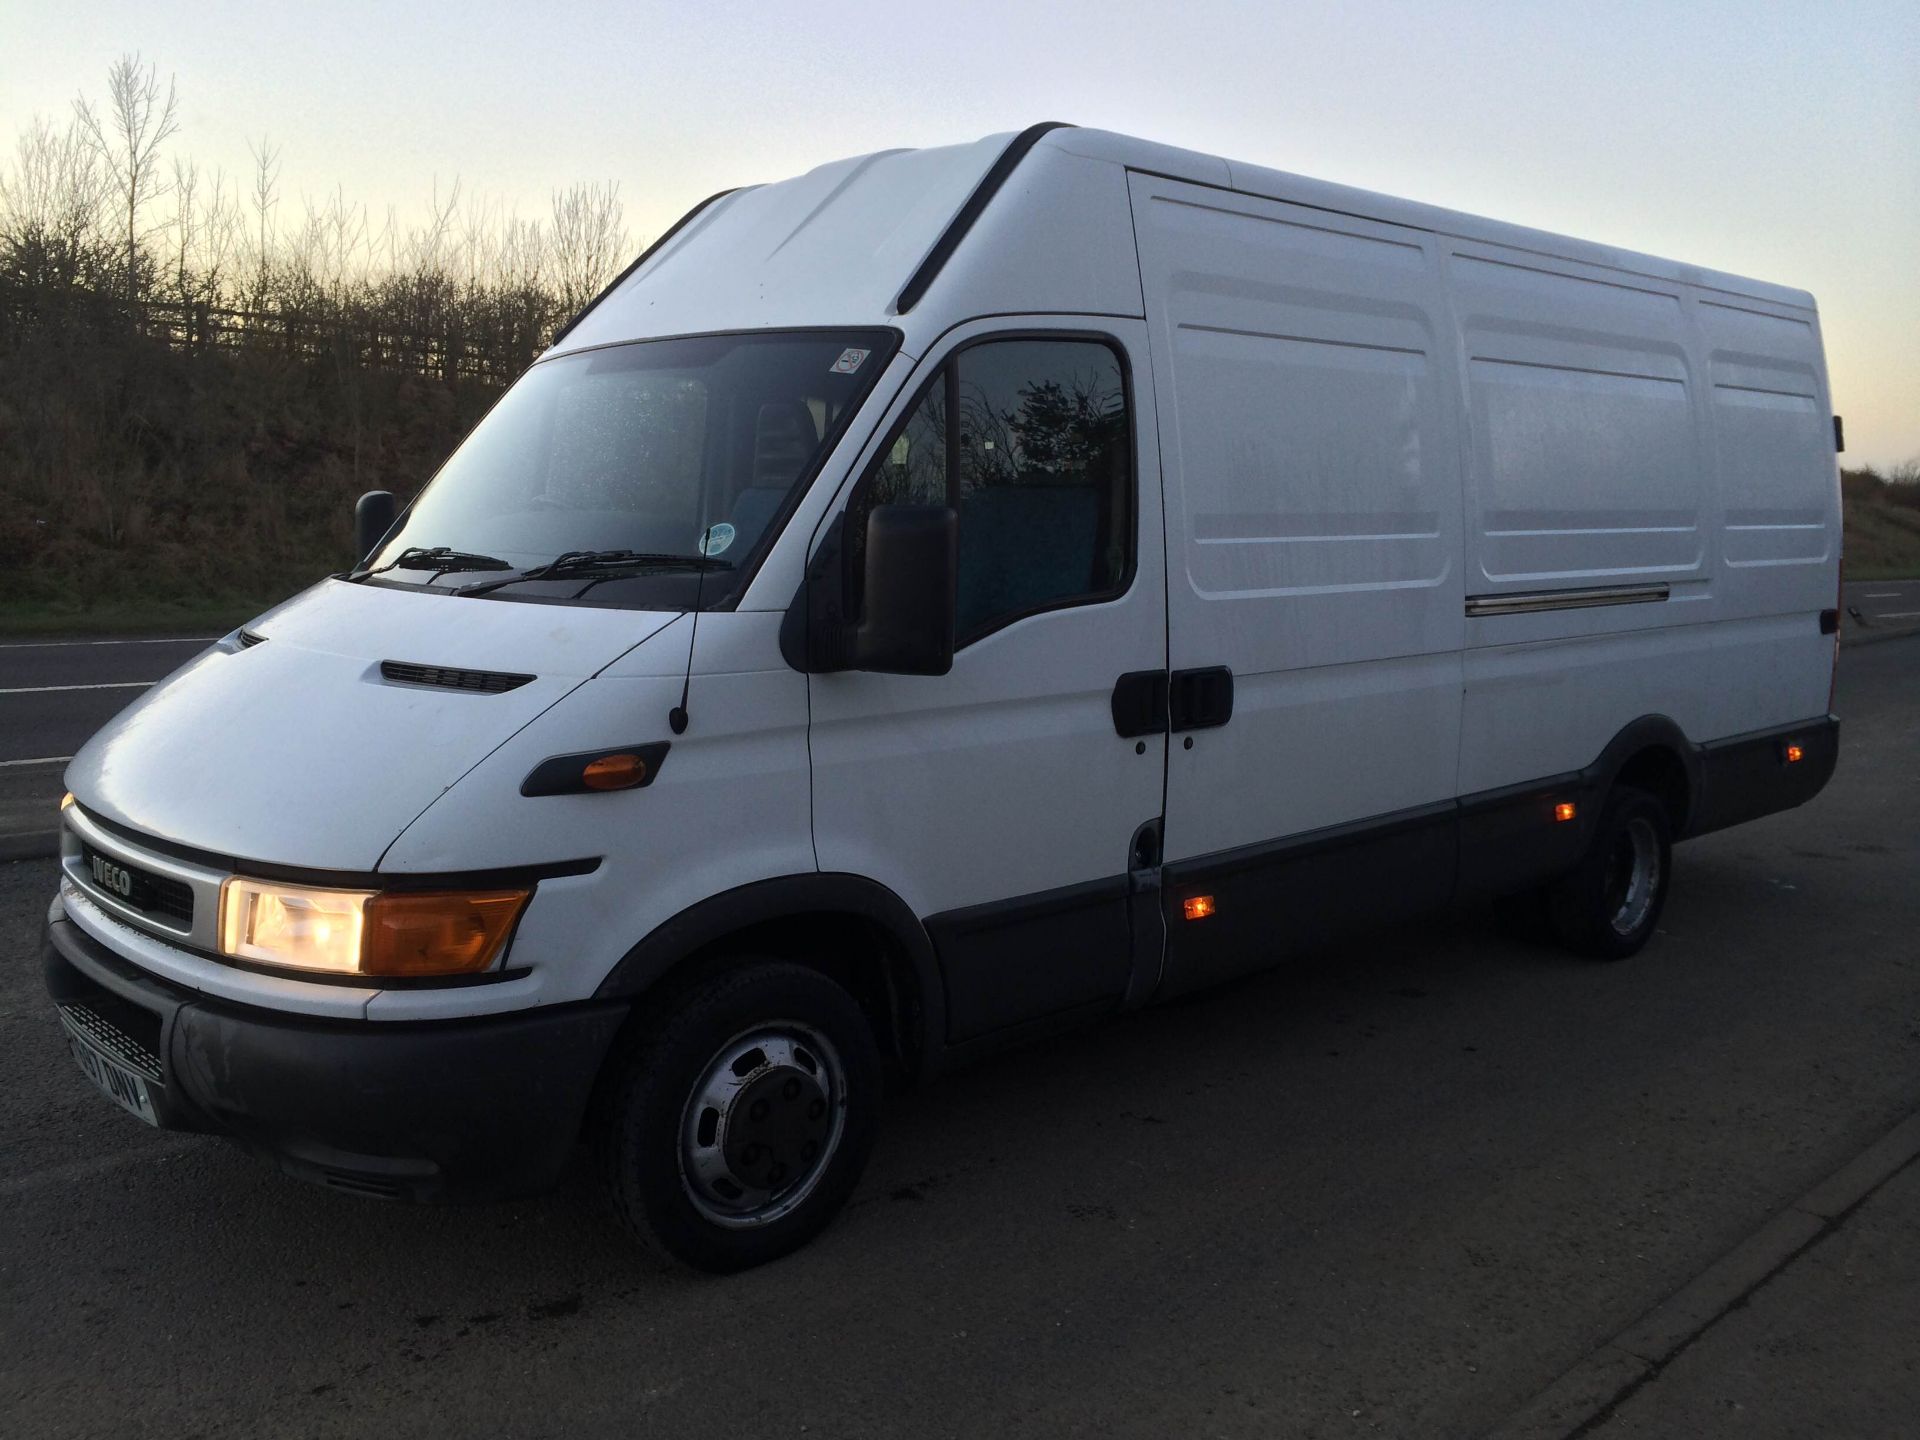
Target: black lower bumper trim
{"type": "Point", "coordinates": [1747, 776]}
{"type": "Point", "coordinates": [480, 1108]}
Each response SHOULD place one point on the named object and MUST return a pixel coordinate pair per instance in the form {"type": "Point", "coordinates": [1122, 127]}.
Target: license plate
{"type": "Point", "coordinates": [116, 1081]}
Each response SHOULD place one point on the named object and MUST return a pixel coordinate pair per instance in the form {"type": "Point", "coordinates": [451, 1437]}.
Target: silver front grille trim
{"type": "Point", "coordinates": [203, 934]}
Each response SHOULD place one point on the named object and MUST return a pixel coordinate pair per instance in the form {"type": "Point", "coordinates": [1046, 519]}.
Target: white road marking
{"type": "Point", "coordinates": [109, 685]}
{"type": "Point", "coordinates": [64, 644]}
{"type": "Point", "coordinates": [43, 760]}
{"type": "Point", "coordinates": [1882, 595]}
{"type": "Point", "coordinates": [1895, 615]}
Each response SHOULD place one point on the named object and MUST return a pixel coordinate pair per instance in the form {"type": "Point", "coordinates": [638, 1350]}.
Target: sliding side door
{"type": "Point", "coordinates": [1313, 507]}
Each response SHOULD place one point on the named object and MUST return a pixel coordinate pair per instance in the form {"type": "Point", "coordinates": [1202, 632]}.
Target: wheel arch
{"type": "Point", "coordinates": [1653, 753]}
{"type": "Point", "coordinates": [854, 930]}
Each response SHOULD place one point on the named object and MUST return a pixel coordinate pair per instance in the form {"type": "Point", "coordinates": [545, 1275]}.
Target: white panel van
{"type": "Point", "coordinates": [936, 600]}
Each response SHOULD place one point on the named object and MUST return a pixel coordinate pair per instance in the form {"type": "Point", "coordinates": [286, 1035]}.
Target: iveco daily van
{"type": "Point", "coordinates": [931, 601]}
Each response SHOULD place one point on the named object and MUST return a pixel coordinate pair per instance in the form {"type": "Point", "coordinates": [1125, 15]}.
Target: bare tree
{"type": "Point", "coordinates": [186, 222]}
{"type": "Point", "coordinates": [266, 197]}
{"type": "Point", "coordinates": [128, 140]}
{"type": "Point", "coordinates": [221, 238]}
{"type": "Point", "coordinates": [588, 242]}
{"type": "Point", "coordinates": [53, 196]}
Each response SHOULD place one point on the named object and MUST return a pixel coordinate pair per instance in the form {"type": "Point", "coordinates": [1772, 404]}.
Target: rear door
{"type": "Point", "coordinates": [1000, 800]}
{"type": "Point", "coordinates": [1315, 608]}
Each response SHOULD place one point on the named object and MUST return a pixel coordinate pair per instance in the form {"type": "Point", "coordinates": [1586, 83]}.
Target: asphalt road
{"type": "Point", "coordinates": [53, 695]}
{"type": "Point", "coordinates": [1394, 1192]}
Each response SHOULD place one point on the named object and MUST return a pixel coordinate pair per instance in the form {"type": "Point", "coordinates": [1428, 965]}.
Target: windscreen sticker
{"type": "Point", "coordinates": [850, 360]}
{"type": "Point", "coordinates": [719, 537]}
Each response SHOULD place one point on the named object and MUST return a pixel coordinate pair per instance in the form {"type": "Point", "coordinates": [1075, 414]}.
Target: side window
{"type": "Point", "coordinates": [1029, 441]}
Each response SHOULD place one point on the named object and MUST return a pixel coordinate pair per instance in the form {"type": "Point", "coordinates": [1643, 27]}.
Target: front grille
{"type": "Point", "coordinates": [112, 1039]}
{"type": "Point", "coordinates": [484, 682]}
{"type": "Point", "coordinates": [162, 897]}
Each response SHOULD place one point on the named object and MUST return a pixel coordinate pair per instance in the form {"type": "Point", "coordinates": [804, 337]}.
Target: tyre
{"type": "Point", "coordinates": [735, 1125]}
{"type": "Point", "coordinates": [1607, 906]}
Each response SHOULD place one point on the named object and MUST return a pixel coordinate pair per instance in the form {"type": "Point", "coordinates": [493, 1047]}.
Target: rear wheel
{"type": "Point", "coordinates": [737, 1125]}
{"type": "Point", "coordinates": [1608, 906]}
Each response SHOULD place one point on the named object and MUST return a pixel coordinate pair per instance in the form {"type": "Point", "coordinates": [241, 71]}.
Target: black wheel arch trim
{"type": "Point", "coordinates": [793, 897]}
{"type": "Point", "coordinates": [1651, 732]}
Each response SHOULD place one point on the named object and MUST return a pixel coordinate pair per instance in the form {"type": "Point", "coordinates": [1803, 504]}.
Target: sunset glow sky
{"type": "Point", "coordinates": [1770, 139]}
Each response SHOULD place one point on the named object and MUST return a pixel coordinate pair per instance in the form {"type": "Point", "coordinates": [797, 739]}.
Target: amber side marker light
{"type": "Point", "coordinates": [1197, 907]}
{"type": "Point", "coordinates": [1795, 754]}
{"type": "Point", "coordinates": [1564, 810]}
{"type": "Point", "coordinates": [614, 772]}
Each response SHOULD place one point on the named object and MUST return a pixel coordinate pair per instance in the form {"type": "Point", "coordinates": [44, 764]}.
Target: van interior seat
{"type": "Point", "coordinates": [1022, 545]}
{"type": "Point", "coordinates": [784, 440]}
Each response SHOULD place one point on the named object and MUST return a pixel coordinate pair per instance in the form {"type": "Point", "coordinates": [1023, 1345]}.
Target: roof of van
{"type": "Point", "coordinates": [1009, 224]}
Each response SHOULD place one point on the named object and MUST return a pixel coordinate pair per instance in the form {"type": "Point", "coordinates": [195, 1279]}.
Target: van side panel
{"type": "Point", "coordinates": [1632, 432]}
{"type": "Point", "coordinates": [1311, 454]}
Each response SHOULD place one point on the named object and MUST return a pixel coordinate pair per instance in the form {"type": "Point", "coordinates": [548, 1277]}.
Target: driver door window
{"type": "Point", "coordinates": [1028, 440]}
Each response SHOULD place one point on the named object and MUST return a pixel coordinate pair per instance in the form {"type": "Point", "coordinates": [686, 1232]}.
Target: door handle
{"type": "Point", "coordinates": [1200, 699]}
{"type": "Point", "coordinates": [1140, 704]}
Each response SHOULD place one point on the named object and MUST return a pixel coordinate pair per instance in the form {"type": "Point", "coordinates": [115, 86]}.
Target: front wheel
{"type": "Point", "coordinates": [1607, 907]}
{"type": "Point", "coordinates": [738, 1123]}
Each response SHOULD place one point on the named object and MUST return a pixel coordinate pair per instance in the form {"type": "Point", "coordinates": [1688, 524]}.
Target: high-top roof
{"type": "Point", "coordinates": [1039, 222]}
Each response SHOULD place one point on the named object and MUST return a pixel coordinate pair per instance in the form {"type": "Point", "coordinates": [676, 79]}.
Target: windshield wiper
{"type": "Point", "coordinates": [440, 559]}
{"type": "Point", "coordinates": [601, 565]}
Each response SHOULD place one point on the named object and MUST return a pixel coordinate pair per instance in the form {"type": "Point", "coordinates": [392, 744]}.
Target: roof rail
{"type": "Point", "coordinates": [962, 222]}
{"type": "Point", "coordinates": [644, 256]}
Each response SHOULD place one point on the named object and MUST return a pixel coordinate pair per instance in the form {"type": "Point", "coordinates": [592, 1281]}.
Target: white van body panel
{"type": "Point", "coordinates": [339, 758]}
{"type": "Point", "coordinates": [835, 246]}
{"type": "Point", "coordinates": [730, 805]}
{"type": "Point", "coordinates": [1312, 461]}
{"type": "Point", "coordinates": [1005, 776]}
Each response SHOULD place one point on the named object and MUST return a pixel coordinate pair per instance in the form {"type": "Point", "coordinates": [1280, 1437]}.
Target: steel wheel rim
{"type": "Point", "coordinates": [762, 1124]}
{"type": "Point", "coordinates": [1633, 876]}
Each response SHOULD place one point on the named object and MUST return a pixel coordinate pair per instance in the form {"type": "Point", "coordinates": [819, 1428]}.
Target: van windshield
{"type": "Point", "coordinates": [657, 472]}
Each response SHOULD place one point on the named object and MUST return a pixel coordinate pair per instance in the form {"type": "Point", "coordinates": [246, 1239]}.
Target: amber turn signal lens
{"type": "Point", "coordinates": [1197, 907]}
{"type": "Point", "coordinates": [437, 932]}
{"type": "Point", "coordinates": [614, 772]}
{"type": "Point", "coordinates": [1795, 754]}
{"type": "Point", "coordinates": [1564, 810]}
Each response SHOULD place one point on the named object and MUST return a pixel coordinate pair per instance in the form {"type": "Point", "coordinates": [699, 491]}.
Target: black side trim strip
{"type": "Point", "coordinates": [962, 222]}
{"type": "Point", "coordinates": [1221, 863]}
{"type": "Point", "coordinates": [1009, 962]}
{"type": "Point", "coordinates": [644, 256]}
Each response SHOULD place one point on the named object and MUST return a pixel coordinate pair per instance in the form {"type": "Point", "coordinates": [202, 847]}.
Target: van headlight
{"type": "Point", "coordinates": [366, 932]}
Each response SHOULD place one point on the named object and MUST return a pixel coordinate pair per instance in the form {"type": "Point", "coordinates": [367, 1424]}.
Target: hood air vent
{"type": "Point", "coordinates": [482, 682]}
{"type": "Point", "coordinates": [247, 639]}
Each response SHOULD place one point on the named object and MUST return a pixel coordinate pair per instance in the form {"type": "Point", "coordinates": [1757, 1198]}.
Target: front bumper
{"type": "Point", "coordinates": [460, 1109]}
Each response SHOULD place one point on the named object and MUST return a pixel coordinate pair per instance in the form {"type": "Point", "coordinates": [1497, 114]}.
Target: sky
{"type": "Point", "coordinates": [1777, 140]}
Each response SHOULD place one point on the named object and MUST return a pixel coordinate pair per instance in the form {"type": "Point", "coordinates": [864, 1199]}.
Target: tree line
{"type": "Point", "coordinates": [198, 374]}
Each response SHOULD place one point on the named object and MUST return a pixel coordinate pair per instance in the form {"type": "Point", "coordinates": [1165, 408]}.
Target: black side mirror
{"type": "Point", "coordinates": [913, 561]}
{"type": "Point", "coordinates": [372, 518]}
